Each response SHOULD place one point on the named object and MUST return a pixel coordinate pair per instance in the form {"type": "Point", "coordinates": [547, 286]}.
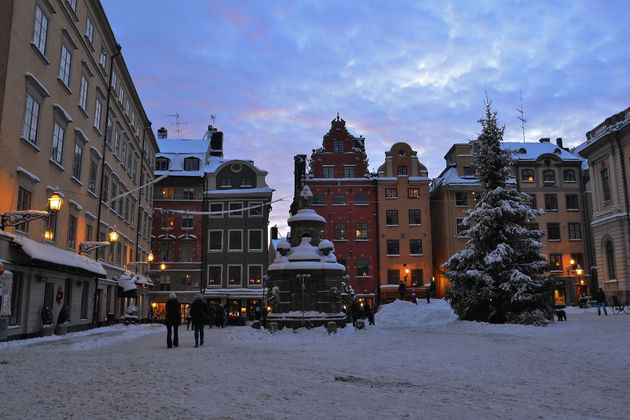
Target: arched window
{"type": "Point", "coordinates": [610, 261]}
{"type": "Point", "coordinates": [191, 164]}
{"type": "Point", "coordinates": [549, 176]}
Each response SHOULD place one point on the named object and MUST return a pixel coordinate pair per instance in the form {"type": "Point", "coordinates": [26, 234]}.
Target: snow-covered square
{"type": "Point", "coordinates": [418, 361]}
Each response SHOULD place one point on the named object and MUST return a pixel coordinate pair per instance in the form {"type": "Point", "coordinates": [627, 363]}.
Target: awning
{"type": "Point", "coordinates": [127, 286]}
{"type": "Point", "coordinates": [53, 256]}
{"type": "Point", "coordinates": [236, 293]}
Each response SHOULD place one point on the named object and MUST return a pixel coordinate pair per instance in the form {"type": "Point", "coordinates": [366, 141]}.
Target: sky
{"type": "Point", "coordinates": [275, 73]}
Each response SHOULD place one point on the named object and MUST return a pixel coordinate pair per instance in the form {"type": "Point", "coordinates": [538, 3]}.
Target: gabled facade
{"type": "Point", "coordinates": [345, 194]}
{"type": "Point", "coordinates": [404, 222]}
{"type": "Point", "coordinates": [71, 122]}
{"type": "Point", "coordinates": [607, 149]}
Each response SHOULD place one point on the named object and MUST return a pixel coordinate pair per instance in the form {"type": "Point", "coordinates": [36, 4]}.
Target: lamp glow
{"type": "Point", "coordinates": [54, 202]}
{"type": "Point", "coordinates": [113, 236]}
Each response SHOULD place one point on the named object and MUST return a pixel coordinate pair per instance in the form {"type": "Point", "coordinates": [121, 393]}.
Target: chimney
{"type": "Point", "coordinates": [216, 142]}
{"type": "Point", "coordinates": [545, 140]}
{"type": "Point", "coordinates": [162, 133]}
{"type": "Point", "coordinates": [559, 142]}
{"type": "Point", "coordinates": [274, 232]}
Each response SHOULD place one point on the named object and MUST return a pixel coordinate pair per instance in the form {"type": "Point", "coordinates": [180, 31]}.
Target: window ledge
{"type": "Point", "coordinates": [57, 165]}
{"type": "Point", "coordinates": [75, 179]}
{"type": "Point", "coordinates": [363, 277]}
{"type": "Point", "coordinates": [65, 86]}
{"type": "Point", "coordinates": [362, 204]}
{"type": "Point", "coordinates": [362, 240]}
{"type": "Point", "coordinates": [575, 240]}
{"type": "Point", "coordinates": [30, 143]}
{"type": "Point", "coordinates": [393, 255]}
{"type": "Point", "coordinates": [340, 240]}
{"type": "Point", "coordinates": [415, 224]}
{"type": "Point", "coordinates": [391, 198]}
{"type": "Point", "coordinates": [611, 281]}
{"type": "Point", "coordinates": [416, 255]}
{"type": "Point", "coordinates": [83, 111]}
{"type": "Point", "coordinates": [396, 225]}
{"type": "Point", "coordinates": [92, 193]}
{"type": "Point", "coordinates": [40, 54]}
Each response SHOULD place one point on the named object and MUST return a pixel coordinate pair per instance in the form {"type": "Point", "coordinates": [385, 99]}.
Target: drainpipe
{"type": "Point", "coordinates": [100, 191]}
{"type": "Point", "coordinates": [144, 138]}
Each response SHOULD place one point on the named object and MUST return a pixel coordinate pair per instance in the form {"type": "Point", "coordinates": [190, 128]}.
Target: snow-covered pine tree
{"type": "Point", "coordinates": [499, 276]}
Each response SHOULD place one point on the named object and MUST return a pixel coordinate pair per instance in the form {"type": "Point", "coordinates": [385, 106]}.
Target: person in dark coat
{"type": "Point", "coordinates": [402, 290]}
{"type": "Point", "coordinates": [218, 316]}
{"type": "Point", "coordinates": [198, 317]}
{"type": "Point", "coordinates": [432, 288]}
{"type": "Point", "coordinates": [173, 318]}
{"type": "Point", "coordinates": [355, 309]}
{"type": "Point", "coordinates": [369, 313]}
{"type": "Point", "coordinates": [601, 301]}
{"type": "Point", "coordinates": [210, 315]}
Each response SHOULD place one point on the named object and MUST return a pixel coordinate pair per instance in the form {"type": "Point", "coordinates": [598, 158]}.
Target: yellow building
{"type": "Point", "coordinates": [58, 119]}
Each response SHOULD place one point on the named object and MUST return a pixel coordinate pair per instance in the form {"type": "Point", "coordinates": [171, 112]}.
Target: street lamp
{"type": "Point", "coordinates": [18, 217]}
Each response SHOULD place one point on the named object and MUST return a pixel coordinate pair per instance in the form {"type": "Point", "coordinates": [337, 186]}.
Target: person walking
{"type": "Point", "coordinates": [355, 309]}
{"type": "Point", "coordinates": [402, 289]}
{"type": "Point", "coordinates": [432, 288]}
{"type": "Point", "coordinates": [173, 318]}
{"type": "Point", "coordinates": [218, 316]}
{"type": "Point", "coordinates": [198, 317]}
{"type": "Point", "coordinates": [369, 313]}
{"type": "Point", "coordinates": [601, 301]}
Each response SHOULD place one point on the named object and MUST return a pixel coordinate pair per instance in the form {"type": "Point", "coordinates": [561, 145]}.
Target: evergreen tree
{"type": "Point", "coordinates": [499, 276]}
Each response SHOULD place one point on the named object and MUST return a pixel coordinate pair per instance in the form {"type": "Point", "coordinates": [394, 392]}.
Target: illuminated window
{"type": "Point", "coordinates": [413, 192]}
{"type": "Point", "coordinates": [168, 193]}
{"type": "Point", "coordinates": [416, 277]}
{"type": "Point", "coordinates": [339, 231]}
{"type": "Point", "coordinates": [555, 260]}
{"type": "Point", "coordinates": [527, 175]}
{"type": "Point", "coordinates": [363, 267]}
{"type": "Point", "coordinates": [234, 275]}
{"type": "Point", "coordinates": [214, 275]}
{"type": "Point", "coordinates": [361, 231]}
{"type": "Point", "coordinates": [391, 193]}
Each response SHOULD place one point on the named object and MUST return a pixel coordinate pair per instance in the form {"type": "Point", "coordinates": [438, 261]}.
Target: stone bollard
{"type": "Point", "coordinates": [273, 327]}
{"type": "Point", "coordinates": [331, 327]}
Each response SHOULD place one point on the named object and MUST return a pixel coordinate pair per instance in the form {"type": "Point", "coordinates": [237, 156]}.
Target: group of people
{"type": "Point", "coordinates": [402, 292]}
{"type": "Point", "coordinates": [358, 313]}
{"type": "Point", "coordinates": [199, 314]}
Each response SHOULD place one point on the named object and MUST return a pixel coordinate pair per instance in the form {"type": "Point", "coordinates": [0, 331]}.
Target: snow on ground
{"type": "Point", "coordinates": [418, 361]}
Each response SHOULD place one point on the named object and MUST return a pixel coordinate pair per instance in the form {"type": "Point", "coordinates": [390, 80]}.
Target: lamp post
{"type": "Point", "coordinates": [580, 282]}
{"type": "Point", "coordinates": [18, 217]}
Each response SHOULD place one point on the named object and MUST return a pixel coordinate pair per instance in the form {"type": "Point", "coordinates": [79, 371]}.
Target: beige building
{"type": "Point", "coordinates": [58, 119]}
{"type": "Point", "coordinates": [404, 223]}
{"type": "Point", "coordinates": [607, 149]}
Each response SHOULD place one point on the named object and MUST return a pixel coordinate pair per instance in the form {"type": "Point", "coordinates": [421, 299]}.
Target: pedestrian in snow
{"type": "Point", "coordinates": [402, 289]}
{"type": "Point", "coordinates": [427, 295]}
{"type": "Point", "coordinates": [198, 317]}
{"type": "Point", "coordinates": [218, 316]}
{"type": "Point", "coordinates": [432, 288]}
{"type": "Point", "coordinates": [601, 301]}
{"type": "Point", "coordinates": [173, 318]}
{"type": "Point", "coordinates": [188, 320]}
{"type": "Point", "coordinates": [367, 310]}
{"type": "Point", "coordinates": [355, 309]}
{"type": "Point", "coordinates": [210, 315]}
{"type": "Point", "coordinates": [414, 298]}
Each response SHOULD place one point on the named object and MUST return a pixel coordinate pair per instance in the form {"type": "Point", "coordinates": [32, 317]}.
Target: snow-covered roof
{"type": "Point", "coordinates": [306, 257]}
{"type": "Point", "coordinates": [177, 150]}
{"type": "Point", "coordinates": [183, 146]}
{"type": "Point", "coordinates": [451, 177]}
{"type": "Point", "coordinates": [52, 254]}
{"type": "Point", "coordinates": [534, 151]}
{"type": "Point", "coordinates": [241, 191]}
{"type": "Point", "coordinates": [306, 215]}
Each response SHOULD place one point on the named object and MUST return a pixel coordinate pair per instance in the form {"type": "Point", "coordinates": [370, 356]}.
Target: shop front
{"type": "Point", "coordinates": [242, 305]}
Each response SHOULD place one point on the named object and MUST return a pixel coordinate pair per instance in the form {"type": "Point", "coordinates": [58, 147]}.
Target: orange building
{"type": "Point", "coordinates": [404, 223]}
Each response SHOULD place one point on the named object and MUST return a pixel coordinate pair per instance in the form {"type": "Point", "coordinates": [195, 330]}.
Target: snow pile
{"type": "Point", "coordinates": [403, 314]}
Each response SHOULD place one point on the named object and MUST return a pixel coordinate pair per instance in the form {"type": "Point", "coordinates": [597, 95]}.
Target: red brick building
{"type": "Point", "coordinates": [344, 193]}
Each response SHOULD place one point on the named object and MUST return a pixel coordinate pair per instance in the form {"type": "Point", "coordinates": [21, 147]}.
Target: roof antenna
{"type": "Point", "coordinates": [522, 117]}
{"type": "Point", "coordinates": [178, 123]}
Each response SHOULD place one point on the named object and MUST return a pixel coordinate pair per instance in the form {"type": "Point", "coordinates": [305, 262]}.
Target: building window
{"type": "Point", "coordinates": [363, 267]}
{"type": "Point", "coordinates": [188, 222]}
{"type": "Point", "coordinates": [167, 250]}
{"type": "Point", "coordinates": [255, 274]}
{"type": "Point", "coordinates": [40, 30]}
{"type": "Point", "coordinates": [402, 170]}
{"type": "Point", "coordinates": [246, 181]}
{"type": "Point", "coordinates": [391, 217]}
{"type": "Point", "coordinates": [339, 231]}
{"type": "Point", "coordinates": [551, 202]}
{"type": "Point", "coordinates": [549, 176]}
{"type": "Point", "coordinates": [414, 217]}
{"type": "Point", "coordinates": [416, 277]}
{"type": "Point", "coordinates": [215, 240]}
{"type": "Point", "coordinates": [572, 202]}
{"type": "Point", "coordinates": [98, 109]}
{"type": "Point", "coordinates": [461, 199]}
{"type": "Point", "coordinates": [16, 299]}
{"type": "Point", "coordinates": [338, 146]}
{"type": "Point", "coordinates": [77, 160]}
{"type": "Point", "coordinates": [318, 200]}
{"type": "Point", "coordinates": [413, 192]}
{"type": "Point", "coordinates": [214, 275]}
{"type": "Point", "coordinates": [168, 193]}
{"type": "Point", "coordinates": [255, 240]}
{"type": "Point", "coordinates": [56, 152]}
{"type": "Point", "coordinates": [189, 193]}
{"type": "Point", "coordinates": [255, 209]}
{"type": "Point", "coordinates": [415, 246]}
{"type": "Point", "coordinates": [349, 171]}
{"type": "Point", "coordinates": [610, 261]}
{"type": "Point", "coordinates": [92, 176]}
{"type": "Point", "coordinates": [328, 172]}
{"type": "Point", "coordinates": [89, 30]}
{"type": "Point", "coordinates": [186, 251]}
{"type": "Point", "coordinates": [216, 210]}
{"type": "Point", "coordinates": [234, 275]}
{"type": "Point", "coordinates": [71, 242]}
{"type": "Point", "coordinates": [393, 276]}
{"type": "Point", "coordinates": [339, 199]}
{"type": "Point", "coordinates": [103, 59]}
{"type": "Point", "coordinates": [167, 220]}
{"type": "Point", "coordinates": [553, 231]}
{"type": "Point", "coordinates": [31, 119]}
{"type": "Point", "coordinates": [469, 170]}
{"type": "Point", "coordinates": [605, 185]}
{"type": "Point", "coordinates": [64, 65]}
{"type": "Point", "coordinates": [191, 164]}
{"type": "Point", "coordinates": [575, 232]}
{"type": "Point", "coordinates": [555, 260]}
{"type": "Point", "coordinates": [393, 247]}
{"type": "Point", "coordinates": [579, 259]}
{"type": "Point", "coordinates": [235, 240]}
{"type": "Point", "coordinates": [361, 231]}
{"type": "Point", "coordinates": [226, 182]}
{"type": "Point", "coordinates": [391, 193]}
{"type": "Point", "coordinates": [23, 203]}
{"type": "Point", "coordinates": [236, 209]}
{"type": "Point", "coordinates": [532, 226]}
{"type": "Point", "coordinates": [85, 295]}
{"type": "Point", "coordinates": [83, 93]}
{"type": "Point", "coordinates": [161, 164]}
{"type": "Point", "coordinates": [569, 175]}
{"type": "Point", "coordinates": [117, 136]}
{"type": "Point", "coordinates": [73, 5]}
{"type": "Point", "coordinates": [360, 199]}
{"type": "Point", "coordinates": [527, 175]}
